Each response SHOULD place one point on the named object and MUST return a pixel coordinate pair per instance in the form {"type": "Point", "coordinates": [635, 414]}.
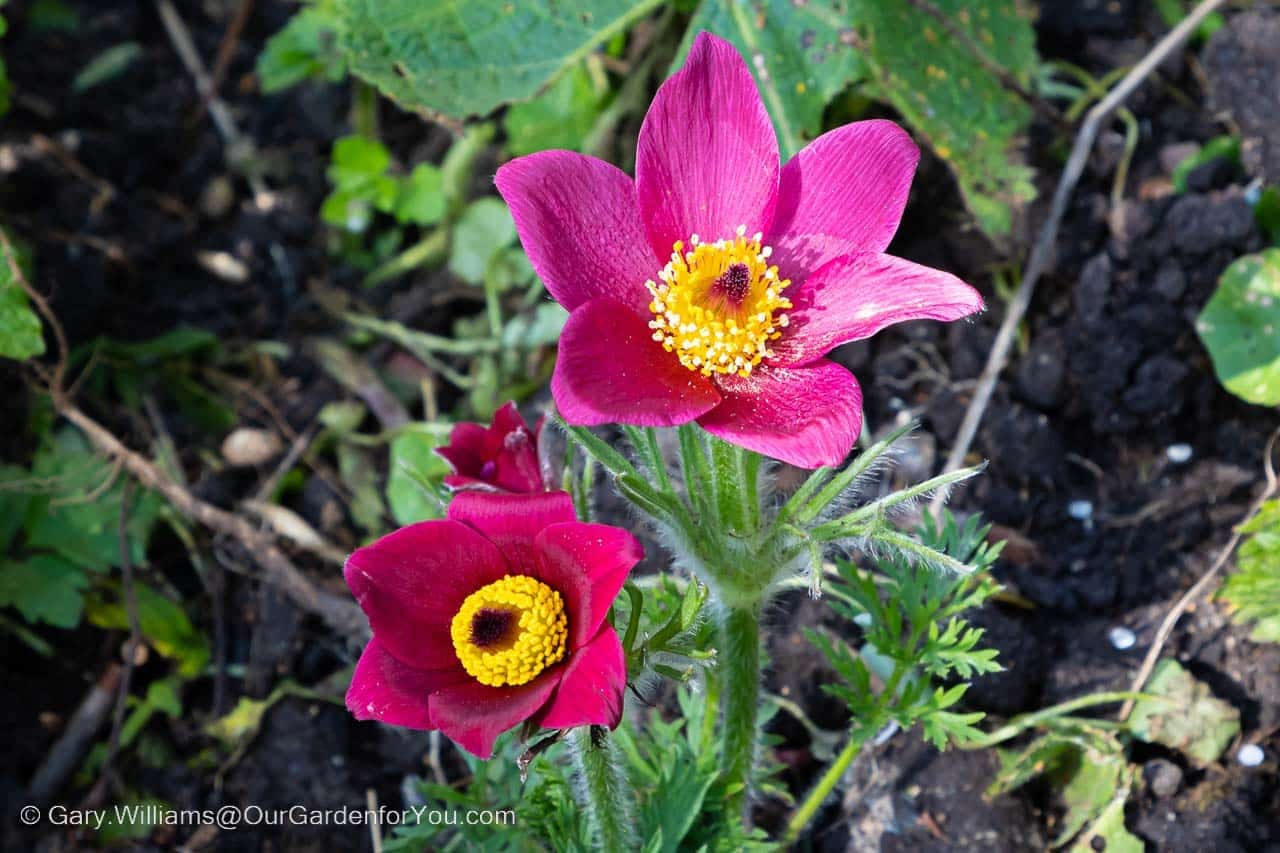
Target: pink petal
{"type": "Point", "coordinates": [513, 522]}
{"type": "Point", "coordinates": [410, 583]}
{"type": "Point", "coordinates": [382, 688]}
{"type": "Point", "coordinates": [809, 416]}
{"type": "Point", "coordinates": [466, 453]}
{"type": "Point", "coordinates": [844, 192]}
{"type": "Point", "coordinates": [611, 370]}
{"type": "Point", "coordinates": [595, 557]}
{"type": "Point", "coordinates": [591, 688]}
{"type": "Point", "coordinates": [855, 296]}
{"type": "Point", "coordinates": [707, 159]}
{"type": "Point", "coordinates": [579, 223]}
{"type": "Point", "coordinates": [472, 714]}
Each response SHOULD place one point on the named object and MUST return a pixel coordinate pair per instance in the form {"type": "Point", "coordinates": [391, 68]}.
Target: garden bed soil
{"type": "Point", "coordinates": [118, 187]}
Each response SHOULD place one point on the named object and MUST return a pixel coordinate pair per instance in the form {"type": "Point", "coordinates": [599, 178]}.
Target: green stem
{"type": "Point", "coordinates": [739, 669]}
{"type": "Point", "coordinates": [605, 790]}
{"type": "Point", "coordinates": [729, 476]}
{"type": "Point", "coordinates": [818, 793]}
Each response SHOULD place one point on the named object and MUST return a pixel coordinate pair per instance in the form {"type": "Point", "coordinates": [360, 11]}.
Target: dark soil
{"type": "Point", "coordinates": [116, 189]}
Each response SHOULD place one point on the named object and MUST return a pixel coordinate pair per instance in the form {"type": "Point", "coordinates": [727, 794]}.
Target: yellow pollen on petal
{"type": "Point", "coordinates": [509, 631]}
{"type": "Point", "coordinates": [718, 305]}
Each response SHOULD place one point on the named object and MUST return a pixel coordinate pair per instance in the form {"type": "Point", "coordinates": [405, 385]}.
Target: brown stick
{"type": "Point", "coordinates": [1042, 251]}
{"type": "Point", "coordinates": [340, 614]}
{"type": "Point", "coordinates": [68, 751]}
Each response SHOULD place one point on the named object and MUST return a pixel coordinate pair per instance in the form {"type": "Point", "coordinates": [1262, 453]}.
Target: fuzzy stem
{"type": "Point", "coordinates": [818, 794]}
{"type": "Point", "coordinates": [605, 790]}
{"type": "Point", "coordinates": [739, 661]}
{"type": "Point", "coordinates": [729, 472]}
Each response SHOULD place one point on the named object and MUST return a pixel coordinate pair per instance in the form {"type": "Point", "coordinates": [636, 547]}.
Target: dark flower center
{"type": "Point", "coordinates": [734, 282]}
{"type": "Point", "coordinates": [490, 625]}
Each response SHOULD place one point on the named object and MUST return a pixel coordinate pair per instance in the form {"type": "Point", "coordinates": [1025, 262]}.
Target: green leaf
{"type": "Point", "coordinates": [560, 117]}
{"type": "Point", "coordinates": [948, 97]}
{"type": "Point", "coordinates": [164, 624]}
{"type": "Point", "coordinates": [1254, 588]}
{"type": "Point", "coordinates": [467, 57]}
{"type": "Point", "coordinates": [305, 48]}
{"type": "Point", "coordinates": [420, 200]}
{"type": "Point", "coordinates": [1220, 146]}
{"type": "Point", "coordinates": [1240, 326]}
{"type": "Point", "coordinates": [1267, 213]}
{"type": "Point", "coordinates": [107, 65]}
{"type": "Point", "coordinates": [20, 333]}
{"type": "Point", "coordinates": [357, 470]}
{"type": "Point", "coordinates": [1109, 828]}
{"type": "Point", "coordinates": [415, 474]}
{"type": "Point", "coordinates": [799, 54]}
{"type": "Point", "coordinates": [484, 229]}
{"type": "Point", "coordinates": [44, 588]}
{"type": "Point", "coordinates": [1188, 717]}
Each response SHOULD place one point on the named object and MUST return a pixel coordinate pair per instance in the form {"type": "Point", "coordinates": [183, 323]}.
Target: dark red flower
{"type": "Point", "coordinates": [502, 456]}
{"type": "Point", "coordinates": [491, 617]}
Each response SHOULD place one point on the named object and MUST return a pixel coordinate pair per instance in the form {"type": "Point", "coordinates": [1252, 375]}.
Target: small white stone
{"type": "Point", "coordinates": [1121, 638]}
{"type": "Point", "coordinates": [1080, 510]}
{"type": "Point", "coordinates": [1178, 453]}
{"type": "Point", "coordinates": [1250, 755]}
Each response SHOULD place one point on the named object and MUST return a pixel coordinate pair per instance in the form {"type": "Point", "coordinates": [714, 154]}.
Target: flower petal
{"type": "Point", "coordinates": [385, 689]}
{"type": "Point", "coordinates": [809, 416]}
{"type": "Point", "coordinates": [472, 714]}
{"type": "Point", "coordinates": [410, 583]}
{"type": "Point", "coordinates": [844, 192]}
{"type": "Point", "coordinates": [855, 296]}
{"type": "Point", "coordinates": [466, 453]}
{"type": "Point", "coordinates": [707, 158]}
{"type": "Point", "coordinates": [594, 557]}
{"type": "Point", "coordinates": [591, 688]}
{"type": "Point", "coordinates": [579, 223]}
{"type": "Point", "coordinates": [513, 522]}
{"type": "Point", "coordinates": [611, 370]}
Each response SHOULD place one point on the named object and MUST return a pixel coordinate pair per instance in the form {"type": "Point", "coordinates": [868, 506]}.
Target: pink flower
{"type": "Point", "coordinates": [711, 286]}
{"type": "Point", "coordinates": [502, 457]}
{"type": "Point", "coordinates": [491, 617]}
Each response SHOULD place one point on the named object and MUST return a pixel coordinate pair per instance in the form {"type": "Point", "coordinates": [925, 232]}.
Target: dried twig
{"type": "Point", "coordinates": [1175, 613]}
{"type": "Point", "coordinates": [69, 749]}
{"type": "Point", "coordinates": [1042, 251]}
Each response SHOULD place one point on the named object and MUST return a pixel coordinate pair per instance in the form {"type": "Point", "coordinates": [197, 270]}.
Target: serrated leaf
{"type": "Point", "coordinates": [950, 99]}
{"type": "Point", "coordinates": [1186, 716]}
{"type": "Point", "coordinates": [44, 588]}
{"type": "Point", "coordinates": [20, 333]}
{"type": "Point", "coordinates": [799, 53]}
{"type": "Point", "coordinates": [468, 57]}
{"type": "Point", "coordinates": [1240, 327]}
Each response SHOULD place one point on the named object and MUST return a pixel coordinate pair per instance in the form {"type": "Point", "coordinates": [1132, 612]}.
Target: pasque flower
{"type": "Point", "coordinates": [491, 617]}
{"type": "Point", "coordinates": [502, 456]}
{"type": "Point", "coordinates": [711, 287]}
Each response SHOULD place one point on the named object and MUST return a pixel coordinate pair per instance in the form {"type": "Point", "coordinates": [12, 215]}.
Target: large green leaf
{"type": "Point", "coordinates": [44, 588]}
{"type": "Point", "coordinates": [800, 54]}
{"type": "Point", "coordinates": [468, 57]}
{"type": "Point", "coordinates": [1254, 588]}
{"type": "Point", "coordinates": [414, 477]}
{"type": "Point", "coordinates": [1185, 716]}
{"type": "Point", "coordinates": [948, 96]}
{"type": "Point", "coordinates": [1240, 326]}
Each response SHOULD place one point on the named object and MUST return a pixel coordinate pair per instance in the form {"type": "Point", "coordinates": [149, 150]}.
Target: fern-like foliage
{"type": "Point", "coordinates": [1254, 588]}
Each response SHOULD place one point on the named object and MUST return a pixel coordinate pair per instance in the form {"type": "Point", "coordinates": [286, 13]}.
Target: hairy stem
{"type": "Point", "coordinates": [605, 791]}
{"type": "Point", "coordinates": [739, 662]}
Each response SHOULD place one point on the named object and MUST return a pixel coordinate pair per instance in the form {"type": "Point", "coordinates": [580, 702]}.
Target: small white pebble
{"type": "Point", "coordinates": [1122, 638]}
{"type": "Point", "coordinates": [1178, 453]}
{"type": "Point", "coordinates": [1080, 510]}
{"type": "Point", "coordinates": [1250, 755]}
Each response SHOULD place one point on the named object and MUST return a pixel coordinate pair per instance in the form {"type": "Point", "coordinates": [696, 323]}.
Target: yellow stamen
{"type": "Point", "coordinates": [717, 305]}
{"type": "Point", "coordinates": [509, 631]}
